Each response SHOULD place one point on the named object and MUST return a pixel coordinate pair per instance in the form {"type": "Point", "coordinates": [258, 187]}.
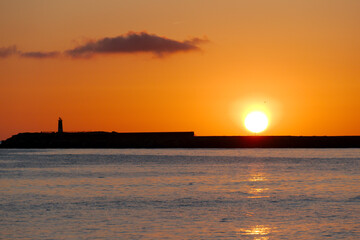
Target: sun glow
{"type": "Point", "coordinates": [256, 122]}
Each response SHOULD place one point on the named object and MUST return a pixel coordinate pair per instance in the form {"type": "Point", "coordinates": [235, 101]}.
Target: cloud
{"type": "Point", "coordinates": [129, 43]}
{"type": "Point", "coordinates": [196, 41]}
{"type": "Point", "coordinates": [39, 54]}
{"type": "Point", "coordinates": [12, 50]}
{"type": "Point", "coordinates": [7, 51]}
{"type": "Point", "coordinates": [134, 43]}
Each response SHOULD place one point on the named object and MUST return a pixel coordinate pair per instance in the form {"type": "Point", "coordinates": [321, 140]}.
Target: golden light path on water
{"type": "Point", "coordinates": [259, 232]}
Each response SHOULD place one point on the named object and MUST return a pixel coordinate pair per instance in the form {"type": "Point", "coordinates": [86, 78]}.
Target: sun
{"type": "Point", "coordinates": [256, 122]}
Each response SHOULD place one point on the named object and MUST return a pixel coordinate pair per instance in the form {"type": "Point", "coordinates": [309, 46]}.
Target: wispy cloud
{"type": "Point", "coordinates": [7, 51]}
{"type": "Point", "coordinates": [131, 42]}
{"type": "Point", "coordinates": [134, 43]}
{"type": "Point", "coordinates": [39, 54]}
{"type": "Point", "coordinates": [12, 50]}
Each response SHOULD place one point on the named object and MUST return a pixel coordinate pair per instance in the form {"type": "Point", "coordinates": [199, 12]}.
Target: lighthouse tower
{"type": "Point", "coordinates": [60, 126]}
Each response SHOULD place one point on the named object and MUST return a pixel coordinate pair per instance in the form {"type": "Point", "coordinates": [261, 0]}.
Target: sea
{"type": "Point", "coordinates": [256, 194]}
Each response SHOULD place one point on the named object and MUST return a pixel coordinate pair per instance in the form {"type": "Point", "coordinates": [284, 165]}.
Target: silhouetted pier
{"type": "Point", "coordinates": [172, 140]}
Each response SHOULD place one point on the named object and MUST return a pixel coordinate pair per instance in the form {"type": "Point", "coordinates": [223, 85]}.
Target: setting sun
{"type": "Point", "coordinates": [256, 122]}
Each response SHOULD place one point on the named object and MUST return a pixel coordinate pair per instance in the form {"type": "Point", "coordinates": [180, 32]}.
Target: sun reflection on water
{"type": "Point", "coordinates": [258, 177]}
{"type": "Point", "coordinates": [259, 232]}
{"type": "Point", "coordinates": [256, 190]}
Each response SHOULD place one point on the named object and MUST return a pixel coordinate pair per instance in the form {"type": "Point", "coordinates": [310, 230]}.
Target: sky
{"type": "Point", "coordinates": [164, 65]}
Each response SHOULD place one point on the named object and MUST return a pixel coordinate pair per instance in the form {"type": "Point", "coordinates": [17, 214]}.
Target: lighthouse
{"type": "Point", "coordinates": [60, 126]}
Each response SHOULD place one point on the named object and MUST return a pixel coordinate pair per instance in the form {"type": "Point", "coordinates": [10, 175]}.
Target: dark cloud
{"type": "Point", "coordinates": [7, 51]}
{"type": "Point", "coordinates": [39, 54]}
{"type": "Point", "coordinates": [129, 43]}
{"type": "Point", "coordinates": [133, 43]}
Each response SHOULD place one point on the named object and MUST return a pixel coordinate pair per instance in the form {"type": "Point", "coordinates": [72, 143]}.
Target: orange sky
{"type": "Point", "coordinates": [299, 61]}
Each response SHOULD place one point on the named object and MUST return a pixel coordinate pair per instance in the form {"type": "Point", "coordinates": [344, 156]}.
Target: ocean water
{"type": "Point", "coordinates": [180, 194]}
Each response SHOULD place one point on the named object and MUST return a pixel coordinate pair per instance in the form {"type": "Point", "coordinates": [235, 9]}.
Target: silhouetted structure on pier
{"type": "Point", "coordinates": [60, 126]}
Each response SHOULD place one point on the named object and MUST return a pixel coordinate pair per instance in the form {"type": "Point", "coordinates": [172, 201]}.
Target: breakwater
{"type": "Point", "coordinates": [172, 140]}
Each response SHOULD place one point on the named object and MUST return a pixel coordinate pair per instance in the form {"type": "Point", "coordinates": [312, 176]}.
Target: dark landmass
{"type": "Point", "coordinates": [172, 140]}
